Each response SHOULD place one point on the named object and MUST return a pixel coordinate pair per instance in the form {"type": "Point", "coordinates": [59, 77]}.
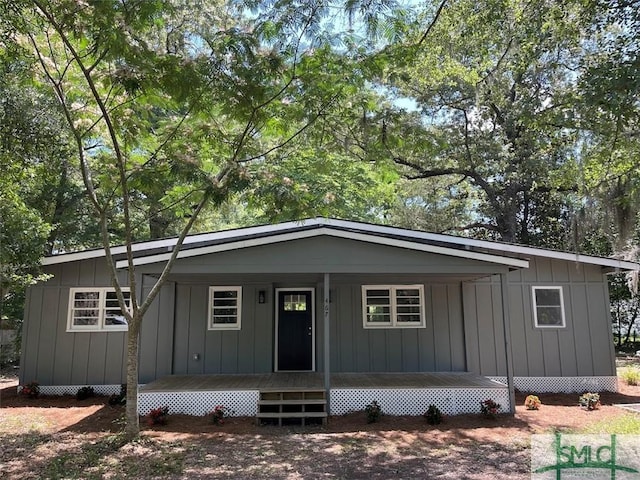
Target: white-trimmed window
{"type": "Point", "coordinates": [393, 306]}
{"type": "Point", "coordinates": [548, 307]}
{"type": "Point", "coordinates": [225, 308]}
{"type": "Point", "coordinates": [96, 309]}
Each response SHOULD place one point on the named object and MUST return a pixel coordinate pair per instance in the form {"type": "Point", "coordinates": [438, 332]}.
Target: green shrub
{"type": "Point", "coordinates": [631, 375]}
{"type": "Point", "coordinates": [119, 399]}
{"type": "Point", "coordinates": [373, 411]}
{"type": "Point", "coordinates": [433, 415]}
{"type": "Point", "coordinates": [85, 392]}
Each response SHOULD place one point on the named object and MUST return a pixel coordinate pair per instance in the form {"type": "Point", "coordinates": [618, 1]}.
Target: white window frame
{"type": "Point", "coordinates": [393, 323]}
{"type": "Point", "coordinates": [535, 306]}
{"type": "Point", "coordinates": [102, 298]}
{"type": "Point", "coordinates": [225, 326]}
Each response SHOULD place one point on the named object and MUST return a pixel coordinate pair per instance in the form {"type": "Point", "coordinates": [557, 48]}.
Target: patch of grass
{"type": "Point", "coordinates": [167, 463]}
{"type": "Point", "coordinates": [630, 375]}
{"type": "Point", "coordinates": [58, 467]}
{"type": "Point", "coordinates": [23, 424]}
{"type": "Point", "coordinates": [160, 459]}
{"type": "Point", "coordinates": [625, 424]}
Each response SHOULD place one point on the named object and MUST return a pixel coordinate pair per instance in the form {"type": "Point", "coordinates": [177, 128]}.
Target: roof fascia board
{"type": "Point", "coordinates": [485, 257]}
{"type": "Point", "coordinates": [503, 247]}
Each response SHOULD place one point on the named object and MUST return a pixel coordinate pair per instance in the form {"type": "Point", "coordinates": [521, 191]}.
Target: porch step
{"type": "Point", "coordinates": [287, 406]}
{"type": "Point", "coordinates": [293, 402]}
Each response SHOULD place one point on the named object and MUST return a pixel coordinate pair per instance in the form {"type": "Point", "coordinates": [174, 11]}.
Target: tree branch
{"type": "Point", "coordinates": [432, 23]}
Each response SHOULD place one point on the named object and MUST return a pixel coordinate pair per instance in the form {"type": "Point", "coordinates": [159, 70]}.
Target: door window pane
{"type": "Point", "coordinates": [295, 303]}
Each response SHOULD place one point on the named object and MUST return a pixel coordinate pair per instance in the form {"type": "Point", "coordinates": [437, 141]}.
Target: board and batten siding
{"type": "Point", "coordinates": [437, 347]}
{"type": "Point", "coordinates": [582, 348]}
{"type": "Point", "coordinates": [52, 356]}
{"type": "Point", "coordinates": [198, 350]}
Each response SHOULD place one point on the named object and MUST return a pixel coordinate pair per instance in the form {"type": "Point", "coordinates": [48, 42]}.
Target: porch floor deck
{"type": "Point", "coordinates": [315, 381]}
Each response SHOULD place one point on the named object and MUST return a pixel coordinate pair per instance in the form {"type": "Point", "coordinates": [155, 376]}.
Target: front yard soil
{"type": "Point", "coordinates": [61, 437]}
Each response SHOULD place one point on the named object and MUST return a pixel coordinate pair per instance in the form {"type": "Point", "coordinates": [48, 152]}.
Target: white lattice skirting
{"type": "Point", "coordinates": [562, 384]}
{"type": "Point", "coordinates": [239, 403]}
{"type": "Point", "coordinates": [73, 389]}
{"type": "Point", "coordinates": [451, 401]}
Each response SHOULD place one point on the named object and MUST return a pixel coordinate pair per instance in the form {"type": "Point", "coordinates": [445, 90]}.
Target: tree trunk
{"type": "Point", "coordinates": [633, 316]}
{"type": "Point", "coordinates": [132, 428]}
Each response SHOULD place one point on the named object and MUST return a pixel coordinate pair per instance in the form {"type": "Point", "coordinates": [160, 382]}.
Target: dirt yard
{"type": "Point", "coordinates": [61, 437]}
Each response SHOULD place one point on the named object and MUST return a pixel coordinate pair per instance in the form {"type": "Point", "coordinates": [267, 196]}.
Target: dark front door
{"type": "Point", "coordinates": [295, 330]}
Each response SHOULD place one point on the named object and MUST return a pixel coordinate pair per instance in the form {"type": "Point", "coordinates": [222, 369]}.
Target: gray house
{"type": "Point", "coordinates": [301, 319]}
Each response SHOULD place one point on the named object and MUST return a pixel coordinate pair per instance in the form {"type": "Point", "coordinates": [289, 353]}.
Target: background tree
{"type": "Point", "coordinates": [493, 88]}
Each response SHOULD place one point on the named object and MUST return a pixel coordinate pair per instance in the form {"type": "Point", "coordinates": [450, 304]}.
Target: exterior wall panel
{"type": "Point", "coordinates": [53, 356]}
{"type": "Point", "coordinates": [31, 336]}
{"type": "Point", "coordinates": [472, 346]}
{"type": "Point", "coordinates": [582, 348]}
{"type": "Point", "coordinates": [600, 330]}
{"type": "Point", "coordinates": [438, 347]}
{"type": "Point", "coordinates": [156, 335]}
{"type": "Point", "coordinates": [581, 333]}
{"type": "Point", "coordinates": [456, 326]}
{"type": "Point", "coordinates": [519, 347]}
{"type": "Point", "coordinates": [248, 350]}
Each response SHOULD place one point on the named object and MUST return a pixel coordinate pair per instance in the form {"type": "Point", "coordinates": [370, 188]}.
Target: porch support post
{"type": "Point", "coordinates": [327, 350]}
{"type": "Point", "coordinates": [507, 342]}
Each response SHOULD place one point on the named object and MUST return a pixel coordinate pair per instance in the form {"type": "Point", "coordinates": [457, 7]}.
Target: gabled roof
{"type": "Point", "coordinates": [514, 256]}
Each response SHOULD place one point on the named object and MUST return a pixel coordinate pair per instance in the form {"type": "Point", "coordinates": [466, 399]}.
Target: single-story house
{"type": "Point", "coordinates": [325, 315]}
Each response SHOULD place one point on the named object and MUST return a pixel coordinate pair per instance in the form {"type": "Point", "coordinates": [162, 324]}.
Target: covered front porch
{"type": "Point", "coordinates": [397, 393]}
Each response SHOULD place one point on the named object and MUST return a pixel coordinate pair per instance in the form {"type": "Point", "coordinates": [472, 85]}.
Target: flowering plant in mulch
{"type": "Point", "coordinates": [217, 414]}
{"type": "Point", "coordinates": [489, 408]}
{"type": "Point", "coordinates": [159, 416]}
{"type": "Point", "coordinates": [532, 402]}
{"type": "Point", "coordinates": [31, 390]}
{"type": "Point", "coordinates": [590, 401]}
